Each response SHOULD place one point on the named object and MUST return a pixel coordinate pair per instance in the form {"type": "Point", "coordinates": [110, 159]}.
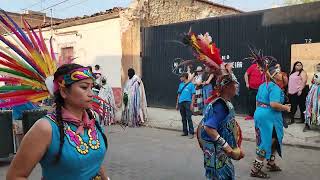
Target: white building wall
{"type": "Point", "coordinates": [93, 43]}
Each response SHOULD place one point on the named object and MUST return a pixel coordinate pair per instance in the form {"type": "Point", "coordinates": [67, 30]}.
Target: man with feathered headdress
{"type": "Point", "coordinates": [219, 134]}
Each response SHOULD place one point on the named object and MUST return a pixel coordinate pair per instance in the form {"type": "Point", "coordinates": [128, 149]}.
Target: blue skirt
{"type": "Point", "coordinates": [268, 124]}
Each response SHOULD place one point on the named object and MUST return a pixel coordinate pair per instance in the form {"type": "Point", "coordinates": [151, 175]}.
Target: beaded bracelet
{"type": "Point", "coordinates": [221, 141]}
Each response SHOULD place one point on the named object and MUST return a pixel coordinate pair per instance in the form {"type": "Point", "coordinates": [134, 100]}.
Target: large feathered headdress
{"type": "Point", "coordinates": [27, 66]}
{"type": "Point", "coordinates": [206, 51]}
{"type": "Point", "coordinates": [266, 63]}
{"type": "Point", "coordinates": [26, 63]}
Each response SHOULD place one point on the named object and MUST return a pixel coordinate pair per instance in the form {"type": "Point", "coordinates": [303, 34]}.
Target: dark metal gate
{"type": "Point", "coordinates": [273, 30]}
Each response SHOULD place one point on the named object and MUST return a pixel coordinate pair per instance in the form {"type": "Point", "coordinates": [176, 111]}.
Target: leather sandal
{"type": "Point", "coordinates": [273, 167]}
{"type": "Point", "coordinates": [259, 174]}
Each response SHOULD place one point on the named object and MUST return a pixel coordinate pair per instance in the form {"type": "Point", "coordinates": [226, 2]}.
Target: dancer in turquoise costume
{"type": "Point", "coordinates": [68, 143]}
{"type": "Point", "coordinates": [268, 117]}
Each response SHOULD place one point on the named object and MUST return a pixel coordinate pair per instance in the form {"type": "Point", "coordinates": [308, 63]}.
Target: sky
{"type": "Point", "coordinates": [72, 8]}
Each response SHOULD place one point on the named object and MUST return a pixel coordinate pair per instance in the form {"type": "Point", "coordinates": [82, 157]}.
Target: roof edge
{"type": "Point", "coordinates": [97, 17]}
{"type": "Point", "coordinates": [220, 5]}
{"type": "Point", "coordinates": [20, 14]}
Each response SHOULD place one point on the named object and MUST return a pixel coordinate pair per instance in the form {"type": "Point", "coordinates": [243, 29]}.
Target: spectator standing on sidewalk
{"type": "Point", "coordinates": [198, 103]}
{"type": "Point", "coordinates": [208, 84]}
{"type": "Point", "coordinates": [106, 93]}
{"type": "Point", "coordinates": [185, 100]}
{"type": "Point", "coordinates": [282, 81]}
{"type": "Point", "coordinates": [97, 71]}
{"type": "Point", "coordinates": [253, 79]}
{"type": "Point", "coordinates": [298, 90]}
{"type": "Point", "coordinates": [134, 109]}
{"type": "Point", "coordinates": [191, 73]}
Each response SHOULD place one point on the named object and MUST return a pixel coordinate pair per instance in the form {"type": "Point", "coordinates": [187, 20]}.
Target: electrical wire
{"type": "Point", "coordinates": [54, 5]}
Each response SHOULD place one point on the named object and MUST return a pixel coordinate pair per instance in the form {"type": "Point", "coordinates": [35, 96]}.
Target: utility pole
{"type": "Point", "coordinates": [41, 7]}
{"type": "Point", "coordinates": [51, 17]}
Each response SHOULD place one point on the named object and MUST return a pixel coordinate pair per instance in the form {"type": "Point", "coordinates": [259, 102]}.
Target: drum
{"type": "Point", "coordinates": [6, 135]}
{"type": "Point", "coordinates": [30, 117]}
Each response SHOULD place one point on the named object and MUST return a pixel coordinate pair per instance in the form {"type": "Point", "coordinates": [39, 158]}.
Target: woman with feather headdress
{"type": "Point", "coordinates": [268, 115]}
{"type": "Point", "coordinates": [219, 134]}
{"type": "Point", "coordinates": [65, 141]}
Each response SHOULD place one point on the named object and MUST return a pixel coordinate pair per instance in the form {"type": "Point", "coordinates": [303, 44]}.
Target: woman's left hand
{"type": "Point", "coordinates": [191, 107]}
{"type": "Point", "coordinates": [288, 107]}
{"type": "Point", "coordinates": [299, 93]}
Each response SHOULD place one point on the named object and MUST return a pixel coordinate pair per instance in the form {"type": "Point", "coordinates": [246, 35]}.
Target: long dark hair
{"type": "Point", "coordinates": [294, 68]}
{"type": "Point", "coordinates": [59, 101]}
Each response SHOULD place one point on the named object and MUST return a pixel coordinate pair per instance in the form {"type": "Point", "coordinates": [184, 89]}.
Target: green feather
{"type": "Point", "coordinates": [13, 72]}
{"type": "Point", "coordinates": [15, 88]}
{"type": "Point", "coordinates": [17, 59]}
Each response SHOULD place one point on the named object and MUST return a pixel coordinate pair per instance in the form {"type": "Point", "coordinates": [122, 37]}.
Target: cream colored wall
{"type": "Point", "coordinates": [308, 55]}
{"type": "Point", "coordinates": [93, 43]}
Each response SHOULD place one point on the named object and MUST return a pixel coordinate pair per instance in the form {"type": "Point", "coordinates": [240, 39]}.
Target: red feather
{"type": "Point", "coordinates": [27, 29]}
{"type": "Point", "coordinates": [100, 99]}
{"type": "Point", "coordinates": [11, 64]}
{"type": "Point", "coordinates": [97, 108]}
{"type": "Point", "coordinates": [43, 44]}
{"type": "Point", "coordinates": [9, 79]}
{"type": "Point", "coordinates": [212, 52]}
{"type": "Point", "coordinates": [24, 93]}
{"type": "Point", "coordinates": [26, 57]}
{"type": "Point", "coordinates": [16, 33]}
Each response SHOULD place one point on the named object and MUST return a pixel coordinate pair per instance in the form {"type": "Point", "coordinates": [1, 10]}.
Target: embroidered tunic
{"type": "Point", "coordinates": [82, 155]}
{"type": "Point", "coordinates": [219, 115]}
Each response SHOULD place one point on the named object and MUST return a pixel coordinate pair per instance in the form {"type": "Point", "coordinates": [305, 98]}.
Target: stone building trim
{"type": "Point", "coordinates": [220, 5]}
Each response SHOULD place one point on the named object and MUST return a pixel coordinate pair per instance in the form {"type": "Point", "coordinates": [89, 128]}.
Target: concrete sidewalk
{"type": "Point", "coordinates": [293, 135]}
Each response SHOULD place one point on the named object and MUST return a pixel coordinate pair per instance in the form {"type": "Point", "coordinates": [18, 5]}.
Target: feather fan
{"type": "Point", "coordinates": [25, 64]}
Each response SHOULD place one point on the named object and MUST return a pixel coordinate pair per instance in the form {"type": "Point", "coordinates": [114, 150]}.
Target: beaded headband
{"type": "Point", "coordinates": [72, 77]}
{"type": "Point", "coordinates": [228, 79]}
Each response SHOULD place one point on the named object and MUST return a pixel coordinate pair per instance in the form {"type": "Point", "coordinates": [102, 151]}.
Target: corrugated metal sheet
{"type": "Point", "coordinates": [272, 30]}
